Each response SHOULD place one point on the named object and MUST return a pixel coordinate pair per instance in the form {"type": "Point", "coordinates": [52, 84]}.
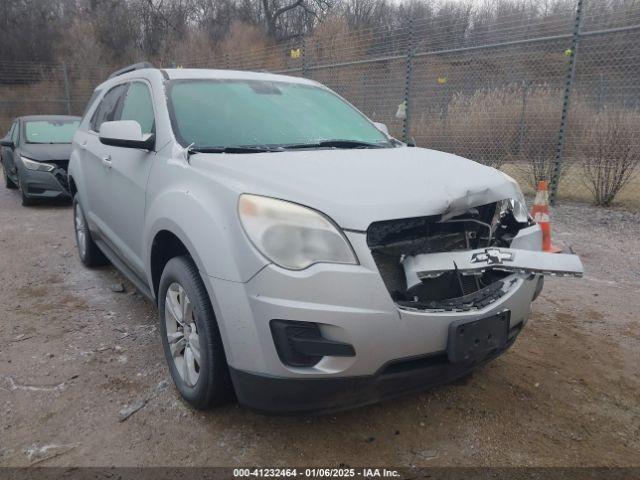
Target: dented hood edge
{"type": "Point", "coordinates": [358, 187]}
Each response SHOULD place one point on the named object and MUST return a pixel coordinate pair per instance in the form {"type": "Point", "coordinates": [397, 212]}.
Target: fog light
{"type": "Point", "coordinates": [301, 344]}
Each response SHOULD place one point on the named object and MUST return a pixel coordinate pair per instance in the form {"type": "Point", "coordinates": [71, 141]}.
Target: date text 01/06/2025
{"type": "Point", "coordinates": [315, 473]}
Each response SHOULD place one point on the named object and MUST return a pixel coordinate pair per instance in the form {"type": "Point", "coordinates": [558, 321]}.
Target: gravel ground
{"type": "Point", "coordinates": [77, 355]}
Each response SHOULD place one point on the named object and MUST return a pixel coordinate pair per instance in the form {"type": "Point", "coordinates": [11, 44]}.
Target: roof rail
{"type": "Point", "coordinates": [131, 68]}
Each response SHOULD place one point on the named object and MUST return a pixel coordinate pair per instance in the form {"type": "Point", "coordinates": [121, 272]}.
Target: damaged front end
{"type": "Point", "coordinates": [463, 260]}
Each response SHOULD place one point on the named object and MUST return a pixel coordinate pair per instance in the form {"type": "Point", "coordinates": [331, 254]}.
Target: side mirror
{"type": "Point", "coordinates": [382, 127]}
{"type": "Point", "coordinates": [126, 134]}
{"type": "Point", "coordinates": [5, 142]}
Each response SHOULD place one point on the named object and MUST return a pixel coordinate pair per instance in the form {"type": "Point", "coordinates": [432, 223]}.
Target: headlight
{"type": "Point", "coordinates": [37, 166]}
{"type": "Point", "coordinates": [514, 205]}
{"type": "Point", "coordinates": [292, 236]}
{"type": "Point", "coordinates": [519, 208]}
{"type": "Point", "coordinates": [517, 204]}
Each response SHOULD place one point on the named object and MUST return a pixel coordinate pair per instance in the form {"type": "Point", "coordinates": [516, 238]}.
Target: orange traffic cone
{"type": "Point", "coordinates": [540, 214]}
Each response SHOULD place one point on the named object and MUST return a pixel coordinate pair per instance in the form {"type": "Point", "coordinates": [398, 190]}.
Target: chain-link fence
{"type": "Point", "coordinates": [554, 99]}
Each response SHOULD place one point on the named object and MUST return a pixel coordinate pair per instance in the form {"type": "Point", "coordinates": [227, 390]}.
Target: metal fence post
{"type": "Point", "coordinates": [406, 121]}
{"type": "Point", "coordinates": [523, 116]}
{"type": "Point", "coordinates": [571, 72]}
{"type": "Point", "coordinates": [67, 92]}
{"type": "Point", "coordinates": [602, 92]}
{"type": "Point", "coordinates": [305, 70]}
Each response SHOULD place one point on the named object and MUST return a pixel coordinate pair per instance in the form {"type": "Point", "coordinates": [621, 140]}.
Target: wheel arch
{"type": "Point", "coordinates": [73, 189]}
{"type": "Point", "coordinates": [205, 224]}
{"type": "Point", "coordinates": [168, 242]}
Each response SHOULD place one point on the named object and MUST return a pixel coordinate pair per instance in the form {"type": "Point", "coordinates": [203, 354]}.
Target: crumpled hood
{"type": "Point", "coordinates": [46, 151]}
{"type": "Point", "coordinates": [357, 187]}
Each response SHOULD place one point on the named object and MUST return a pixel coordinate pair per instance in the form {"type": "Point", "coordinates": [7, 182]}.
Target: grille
{"type": "Point", "coordinates": [391, 241]}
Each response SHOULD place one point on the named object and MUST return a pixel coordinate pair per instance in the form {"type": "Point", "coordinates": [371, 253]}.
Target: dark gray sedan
{"type": "Point", "coordinates": [35, 155]}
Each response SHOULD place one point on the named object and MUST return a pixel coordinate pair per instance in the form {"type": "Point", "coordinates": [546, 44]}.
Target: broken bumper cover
{"type": "Point", "coordinates": [397, 350]}
{"type": "Point", "coordinates": [317, 396]}
{"type": "Point", "coordinates": [45, 185]}
{"type": "Point", "coordinates": [472, 262]}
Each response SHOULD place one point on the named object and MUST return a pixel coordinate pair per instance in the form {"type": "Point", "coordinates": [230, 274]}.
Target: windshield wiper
{"type": "Point", "coordinates": [337, 143]}
{"type": "Point", "coordinates": [234, 149]}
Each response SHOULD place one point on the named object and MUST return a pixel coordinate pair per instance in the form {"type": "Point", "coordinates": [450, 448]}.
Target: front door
{"type": "Point", "coordinates": [126, 174]}
{"type": "Point", "coordinates": [118, 176]}
{"type": "Point", "coordinates": [94, 153]}
{"type": "Point", "coordinates": [8, 153]}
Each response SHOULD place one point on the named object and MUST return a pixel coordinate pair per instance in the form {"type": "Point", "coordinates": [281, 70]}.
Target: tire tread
{"type": "Point", "coordinates": [93, 256]}
{"type": "Point", "coordinates": [217, 389]}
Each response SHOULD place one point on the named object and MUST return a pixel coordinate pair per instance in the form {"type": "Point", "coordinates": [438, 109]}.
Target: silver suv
{"type": "Point", "coordinates": [299, 256]}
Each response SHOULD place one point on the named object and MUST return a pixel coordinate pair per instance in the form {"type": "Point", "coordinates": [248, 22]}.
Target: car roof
{"type": "Point", "coordinates": [207, 74]}
{"type": "Point", "coordinates": [27, 118]}
{"type": "Point", "coordinates": [201, 73]}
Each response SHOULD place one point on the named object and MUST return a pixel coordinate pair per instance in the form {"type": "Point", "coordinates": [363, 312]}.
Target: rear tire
{"type": "Point", "coordinates": [88, 251]}
{"type": "Point", "coordinates": [190, 336]}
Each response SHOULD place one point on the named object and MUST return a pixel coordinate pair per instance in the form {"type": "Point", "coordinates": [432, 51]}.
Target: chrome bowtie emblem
{"type": "Point", "coordinates": [492, 256]}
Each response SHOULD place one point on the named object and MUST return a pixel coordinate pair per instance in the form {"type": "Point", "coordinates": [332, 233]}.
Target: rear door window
{"type": "Point", "coordinates": [110, 107]}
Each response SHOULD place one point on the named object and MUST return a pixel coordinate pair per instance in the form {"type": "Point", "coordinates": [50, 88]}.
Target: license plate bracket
{"type": "Point", "coordinates": [473, 340]}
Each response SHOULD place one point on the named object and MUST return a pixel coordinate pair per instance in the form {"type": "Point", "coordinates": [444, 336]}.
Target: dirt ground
{"type": "Point", "coordinates": [75, 353]}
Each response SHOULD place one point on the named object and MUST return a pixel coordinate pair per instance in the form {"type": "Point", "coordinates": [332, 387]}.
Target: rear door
{"type": "Point", "coordinates": [125, 179]}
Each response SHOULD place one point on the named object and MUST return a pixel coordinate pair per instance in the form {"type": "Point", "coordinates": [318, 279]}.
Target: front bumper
{"type": "Point", "coordinates": [45, 185]}
{"type": "Point", "coordinates": [316, 396]}
{"type": "Point", "coordinates": [351, 304]}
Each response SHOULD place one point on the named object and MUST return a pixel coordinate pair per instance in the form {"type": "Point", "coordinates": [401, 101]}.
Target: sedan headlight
{"type": "Point", "coordinates": [292, 236]}
{"type": "Point", "coordinates": [37, 166]}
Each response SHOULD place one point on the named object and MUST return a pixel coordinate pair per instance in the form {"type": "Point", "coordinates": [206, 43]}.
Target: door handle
{"type": "Point", "coordinates": [83, 145]}
{"type": "Point", "coordinates": [106, 161]}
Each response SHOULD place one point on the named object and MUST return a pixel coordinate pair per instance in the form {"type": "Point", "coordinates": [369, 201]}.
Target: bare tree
{"type": "Point", "coordinates": [611, 150]}
{"type": "Point", "coordinates": [277, 15]}
{"type": "Point", "coordinates": [364, 14]}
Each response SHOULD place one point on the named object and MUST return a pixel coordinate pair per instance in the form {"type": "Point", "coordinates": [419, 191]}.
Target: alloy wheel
{"type": "Point", "coordinates": [182, 334]}
{"type": "Point", "coordinates": [81, 234]}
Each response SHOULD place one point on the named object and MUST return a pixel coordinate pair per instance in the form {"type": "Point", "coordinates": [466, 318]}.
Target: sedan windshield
{"type": "Point", "coordinates": [50, 131]}
{"type": "Point", "coordinates": [227, 114]}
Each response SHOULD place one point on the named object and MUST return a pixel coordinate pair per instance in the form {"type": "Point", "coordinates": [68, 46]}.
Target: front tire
{"type": "Point", "coordinates": [7, 181]}
{"type": "Point", "coordinates": [26, 201]}
{"type": "Point", "coordinates": [88, 251]}
{"type": "Point", "coordinates": [190, 336]}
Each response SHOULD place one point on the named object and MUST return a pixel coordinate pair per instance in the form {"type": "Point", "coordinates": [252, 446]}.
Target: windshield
{"type": "Point", "coordinates": [234, 113]}
{"type": "Point", "coordinates": [50, 131]}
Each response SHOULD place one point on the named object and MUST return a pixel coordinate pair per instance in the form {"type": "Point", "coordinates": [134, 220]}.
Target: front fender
{"type": "Point", "coordinates": [76, 173]}
{"type": "Point", "coordinates": [210, 230]}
